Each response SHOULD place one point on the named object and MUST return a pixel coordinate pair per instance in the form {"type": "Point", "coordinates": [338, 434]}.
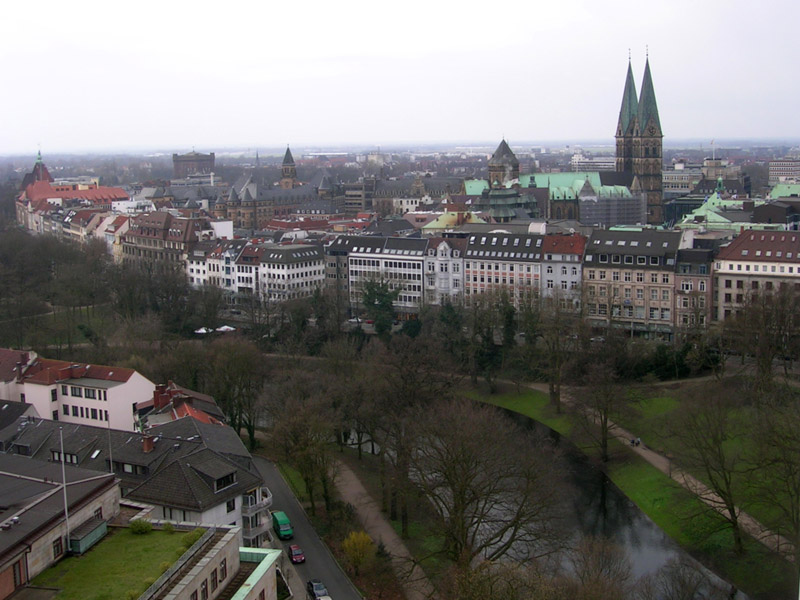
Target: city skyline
{"type": "Point", "coordinates": [357, 74]}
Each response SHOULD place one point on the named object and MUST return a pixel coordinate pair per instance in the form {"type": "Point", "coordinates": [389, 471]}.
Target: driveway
{"type": "Point", "coordinates": [319, 564]}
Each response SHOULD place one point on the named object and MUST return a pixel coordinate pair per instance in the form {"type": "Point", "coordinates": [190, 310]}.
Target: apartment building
{"type": "Point", "coordinates": [628, 278]}
{"type": "Point", "coordinates": [290, 272]}
{"type": "Point", "coordinates": [753, 263]}
{"type": "Point", "coordinates": [398, 261]}
{"type": "Point", "coordinates": [562, 262]}
{"type": "Point", "coordinates": [444, 270]}
{"type": "Point", "coordinates": [693, 288]}
{"type": "Point", "coordinates": [502, 261]}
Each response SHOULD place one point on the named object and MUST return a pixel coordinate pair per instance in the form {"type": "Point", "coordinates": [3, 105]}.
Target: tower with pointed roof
{"type": "Point", "coordinates": [640, 141]}
{"type": "Point", "coordinates": [503, 166]}
{"type": "Point", "coordinates": [288, 171]}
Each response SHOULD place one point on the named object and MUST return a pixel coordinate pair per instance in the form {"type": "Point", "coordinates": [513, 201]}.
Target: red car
{"type": "Point", "coordinates": [296, 554]}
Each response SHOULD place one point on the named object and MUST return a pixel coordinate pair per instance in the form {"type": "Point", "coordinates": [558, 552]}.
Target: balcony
{"type": "Point", "coordinates": [252, 506]}
{"type": "Point", "coordinates": [252, 532]}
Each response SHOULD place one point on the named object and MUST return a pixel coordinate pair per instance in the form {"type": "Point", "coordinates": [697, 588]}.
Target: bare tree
{"type": "Point", "coordinates": [711, 437]}
{"type": "Point", "coordinates": [602, 398]}
{"type": "Point", "coordinates": [600, 569]}
{"type": "Point", "coordinates": [489, 506]}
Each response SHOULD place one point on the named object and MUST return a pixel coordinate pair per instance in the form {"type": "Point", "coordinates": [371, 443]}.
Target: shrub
{"type": "Point", "coordinates": [191, 537]}
{"type": "Point", "coordinates": [132, 595]}
{"type": "Point", "coordinates": [148, 582]}
{"type": "Point", "coordinates": [164, 566]}
{"type": "Point", "coordinates": [140, 526]}
{"type": "Point", "coordinates": [168, 528]}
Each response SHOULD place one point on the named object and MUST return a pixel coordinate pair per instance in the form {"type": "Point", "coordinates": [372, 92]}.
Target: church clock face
{"type": "Point", "coordinates": [651, 130]}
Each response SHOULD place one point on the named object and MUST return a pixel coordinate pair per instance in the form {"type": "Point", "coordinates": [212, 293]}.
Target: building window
{"type": "Point", "coordinates": [193, 595]}
{"type": "Point", "coordinates": [53, 395]}
{"type": "Point", "coordinates": [230, 505]}
{"type": "Point", "coordinates": [58, 547]}
{"type": "Point", "coordinates": [63, 390]}
{"type": "Point", "coordinates": [213, 580]}
{"type": "Point", "coordinates": [204, 590]}
{"type": "Point", "coordinates": [98, 513]}
{"type": "Point", "coordinates": [74, 411]}
{"type": "Point", "coordinates": [75, 391]}
{"type": "Point", "coordinates": [65, 408]}
{"type": "Point", "coordinates": [223, 570]}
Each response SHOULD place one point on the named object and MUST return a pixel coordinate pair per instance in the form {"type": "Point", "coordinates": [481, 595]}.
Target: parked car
{"type": "Point", "coordinates": [316, 589]}
{"type": "Point", "coordinates": [296, 554]}
{"type": "Point", "coordinates": [282, 526]}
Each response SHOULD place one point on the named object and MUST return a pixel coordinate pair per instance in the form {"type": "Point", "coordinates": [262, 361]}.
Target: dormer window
{"type": "Point", "coordinates": [224, 482]}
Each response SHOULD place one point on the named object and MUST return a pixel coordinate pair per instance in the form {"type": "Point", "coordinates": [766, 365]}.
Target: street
{"type": "Point", "coordinates": [319, 564]}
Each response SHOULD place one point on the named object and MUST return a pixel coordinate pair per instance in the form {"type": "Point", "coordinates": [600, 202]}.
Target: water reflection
{"type": "Point", "coordinates": [600, 509]}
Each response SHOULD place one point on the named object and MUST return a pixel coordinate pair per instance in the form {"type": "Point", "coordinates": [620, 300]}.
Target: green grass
{"type": "Point", "coordinates": [680, 514]}
{"type": "Point", "coordinates": [531, 403]}
{"type": "Point", "coordinates": [120, 563]}
{"type": "Point", "coordinates": [295, 481]}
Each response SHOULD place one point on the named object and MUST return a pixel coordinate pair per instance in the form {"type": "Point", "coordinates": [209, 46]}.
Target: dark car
{"type": "Point", "coordinates": [316, 589]}
{"type": "Point", "coordinates": [296, 554]}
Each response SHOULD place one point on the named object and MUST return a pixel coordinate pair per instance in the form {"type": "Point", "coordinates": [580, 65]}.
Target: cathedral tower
{"type": "Point", "coordinates": [640, 141]}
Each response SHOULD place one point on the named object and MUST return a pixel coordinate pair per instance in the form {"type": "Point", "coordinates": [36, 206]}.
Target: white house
{"type": "Point", "coordinates": [81, 393]}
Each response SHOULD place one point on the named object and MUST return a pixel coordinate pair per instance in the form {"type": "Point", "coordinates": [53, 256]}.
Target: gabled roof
{"type": "Point", "coordinates": [45, 371]}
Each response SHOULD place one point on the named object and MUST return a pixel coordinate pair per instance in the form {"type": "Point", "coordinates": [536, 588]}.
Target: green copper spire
{"type": "Point", "coordinates": [630, 106]}
{"type": "Point", "coordinates": [648, 109]}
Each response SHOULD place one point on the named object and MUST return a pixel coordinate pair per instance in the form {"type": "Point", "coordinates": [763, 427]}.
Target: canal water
{"type": "Point", "coordinates": [600, 509]}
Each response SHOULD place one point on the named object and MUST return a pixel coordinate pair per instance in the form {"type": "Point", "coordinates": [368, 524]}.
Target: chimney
{"type": "Point", "coordinates": [147, 443]}
{"type": "Point", "coordinates": [19, 372]}
{"type": "Point", "coordinates": [161, 397]}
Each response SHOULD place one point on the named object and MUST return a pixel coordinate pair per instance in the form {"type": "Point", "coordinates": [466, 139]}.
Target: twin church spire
{"type": "Point", "coordinates": [639, 140]}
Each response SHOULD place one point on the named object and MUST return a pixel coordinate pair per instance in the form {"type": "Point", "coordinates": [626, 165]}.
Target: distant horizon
{"type": "Point", "coordinates": [396, 147]}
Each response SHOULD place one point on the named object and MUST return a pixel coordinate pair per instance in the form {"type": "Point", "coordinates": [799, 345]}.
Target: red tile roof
{"type": "Point", "coordinates": [564, 244]}
{"type": "Point", "coordinates": [8, 363]}
{"type": "Point", "coordinates": [42, 190]}
{"type": "Point", "coordinates": [45, 371]}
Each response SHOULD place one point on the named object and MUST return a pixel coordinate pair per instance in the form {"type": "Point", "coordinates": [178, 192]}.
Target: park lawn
{"type": "Point", "coordinates": [528, 402]}
{"type": "Point", "coordinates": [652, 419]}
{"type": "Point", "coordinates": [680, 514]}
{"type": "Point", "coordinates": [120, 563]}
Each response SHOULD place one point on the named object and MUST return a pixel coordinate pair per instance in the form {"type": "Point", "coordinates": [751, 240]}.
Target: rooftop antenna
{"type": "Point", "coordinates": [713, 151]}
{"type": "Point", "coordinates": [629, 55]}
{"type": "Point", "coordinates": [647, 51]}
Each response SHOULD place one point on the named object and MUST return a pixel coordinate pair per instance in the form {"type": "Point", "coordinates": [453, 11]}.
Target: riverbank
{"type": "Point", "coordinates": [673, 507]}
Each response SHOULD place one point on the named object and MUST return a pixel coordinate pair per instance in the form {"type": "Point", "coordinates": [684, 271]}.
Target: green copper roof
{"type": "Point", "coordinates": [474, 187]}
{"type": "Point", "coordinates": [785, 190]}
{"type": "Point", "coordinates": [630, 105]}
{"type": "Point", "coordinates": [648, 109]}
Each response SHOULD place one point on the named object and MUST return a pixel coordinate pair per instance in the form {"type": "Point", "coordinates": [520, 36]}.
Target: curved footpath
{"type": "Point", "coordinates": [415, 583]}
{"type": "Point", "coordinates": [749, 525]}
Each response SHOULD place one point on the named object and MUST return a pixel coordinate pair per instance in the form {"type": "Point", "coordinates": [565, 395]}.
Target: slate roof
{"type": "Point", "coordinates": [783, 247]}
{"type": "Point", "coordinates": [31, 490]}
{"type": "Point", "coordinates": [499, 246]}
{"type": "Point", "coordinates": [663, 244]}
{"type": "Point", "coordinates": [503, 156]}
{"type": "Point", "coordinates": [288, 160]}
{"type": "Point", "coordinates": [389, 227]}
{"type": "Point", "coordinates": [188, 482]}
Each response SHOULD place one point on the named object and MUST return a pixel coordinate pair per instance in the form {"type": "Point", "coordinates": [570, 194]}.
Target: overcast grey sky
{"type": "Point", "coordinates": [174, 74]}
